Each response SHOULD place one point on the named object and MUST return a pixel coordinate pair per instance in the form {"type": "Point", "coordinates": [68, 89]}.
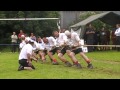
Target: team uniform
{"type": "Point", "coordinates": [22, 44]}
{"type": "Point", "coordinates": [51, 45]}
{"type": "Point", "coordinates": [38, 46]}
{"type": "Point", "coordinates": [62, 40]}
{"type": "Point", "coordinates": [41, 45]}
{"type": "Point", "coordinates": [27, 49]}
{"type": "Point", "coordinates": [75, 41]}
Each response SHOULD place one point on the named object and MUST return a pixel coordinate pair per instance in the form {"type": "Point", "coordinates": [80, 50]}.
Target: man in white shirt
{"type": "Point", "coordinates": [117, 33]}
{"type": "Point", "coordinates": [40, 43]}
{"type": "Point", "coordinates": [75, 49]}
{"type": "Point", "coordinates": [61, 40]}
{"type": "Point", "coordinates": [25, 57]}
{"type": "Point", "coordinates": [22, 43]}
{"type": "Point", "coordinates": [50, 48]}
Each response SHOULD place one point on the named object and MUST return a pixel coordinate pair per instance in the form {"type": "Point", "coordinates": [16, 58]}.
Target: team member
{"type": "Point", "coordinates": [23, 43]}
{"type": "Point", "coordinates": [40, 49]}
{"type": "Point", "coordinates": [24, 57]}
{"type": "Point", "coordinates": [50, 47]}
{"type": "Point", "coordinates": [61, 39]}
{"type": "Point", "coordinates": [75, 45]}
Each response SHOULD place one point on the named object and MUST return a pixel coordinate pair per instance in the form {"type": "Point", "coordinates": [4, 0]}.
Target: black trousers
{"type": "Point", "coordinates": [13, 49]}
{"type": "Point", "coordinates": [118, 42]}
{"type": "Point", "coordinates": [90, 42]}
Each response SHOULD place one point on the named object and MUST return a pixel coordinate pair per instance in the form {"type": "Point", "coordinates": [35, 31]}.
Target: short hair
{"type": "Point", "coordinates": [54, 31]}
{"type": "Point", "coordinates": [38, 37]}
{"type": "Point", "coordinates": [67, 33]}
{"type": "Point", "coordinates": [118, 25]}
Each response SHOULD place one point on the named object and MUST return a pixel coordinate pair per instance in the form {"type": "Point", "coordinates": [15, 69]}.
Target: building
{"type": "Point", "coordinates": [68, 18]}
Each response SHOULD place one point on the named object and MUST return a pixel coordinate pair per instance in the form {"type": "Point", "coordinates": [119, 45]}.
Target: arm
{"type": "Point", "coordinates": [16, 37]}
{"type": "Point", "coordinates": [87, 32]}
{"type": "Point", "coordinates": [54, 42]}
{"type": "Point", "coordinates": [29, 54]}
{"type": "Point", "coordinates": [78, 41]}
{"type": "Point", "coordinates": [29, 60]}
{"type": "Point", "coordinates": [11, 36]}
{"type": "Point", "coordinates": [93, 31]}
{"type": "Point", "coordinates": [65, 40]}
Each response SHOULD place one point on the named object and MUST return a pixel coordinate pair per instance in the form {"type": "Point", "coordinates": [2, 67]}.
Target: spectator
{"type": "Point", "coordinates": [97, 39]}
{"type": "Point", "coordinates": [117, 33]}
{"type": "Point", "coordinates": [90, 37]}
{"type": "Point", "coordinates": [33, 37]}
{"type": "Point", "coordinates": [113, 38]}
{"type": "Point", "coordinates": [103, 38]}
{"type": "Point", "coordinates": [14, 42]}
{"type": "Point", "coordinates": [19, 35]}
{"type": "Point", "coordinates": [108, 38]}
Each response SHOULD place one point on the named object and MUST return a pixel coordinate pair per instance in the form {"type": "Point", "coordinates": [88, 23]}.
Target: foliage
{"type": "Point", "coordinates": [40, 28]}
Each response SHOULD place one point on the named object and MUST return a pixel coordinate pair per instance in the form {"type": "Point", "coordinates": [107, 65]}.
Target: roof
{"type": "Point", "coordinates": [110, 18]}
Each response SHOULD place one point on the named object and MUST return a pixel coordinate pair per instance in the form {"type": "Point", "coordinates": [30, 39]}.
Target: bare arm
{"type": "Point", "coordinates": [29, 60]}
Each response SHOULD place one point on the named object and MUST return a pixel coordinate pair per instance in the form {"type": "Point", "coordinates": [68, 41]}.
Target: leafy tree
{"type": "Point", "coordinates": [41, 28]}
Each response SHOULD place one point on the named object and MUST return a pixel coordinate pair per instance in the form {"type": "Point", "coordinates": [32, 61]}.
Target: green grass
{"type": "Point", "coordinates": [106, 66]}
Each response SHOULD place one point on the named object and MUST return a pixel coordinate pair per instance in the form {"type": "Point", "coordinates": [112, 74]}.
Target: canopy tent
{"type": "Point", "coordinates": [110, 18]}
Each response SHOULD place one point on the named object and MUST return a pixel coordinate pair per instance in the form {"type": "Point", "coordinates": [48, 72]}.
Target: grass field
{"type": "Point", "coordinates": [106, 66]}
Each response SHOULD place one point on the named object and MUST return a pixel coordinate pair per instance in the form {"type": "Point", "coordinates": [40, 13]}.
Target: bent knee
{"type": "Point", "coordinates": [60, 55]}
{"type": "Point", "coordinates": [71, 54]}
{"type": "Point", "coordinates": [81, 53]}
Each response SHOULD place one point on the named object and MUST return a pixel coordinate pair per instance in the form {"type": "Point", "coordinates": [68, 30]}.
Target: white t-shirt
{"type": "Point", "coordinates": [25, 50]}
{"type": "Point", "coordinates": [14, 38]}
{"type": "Point", "coordinates": [117, 32]}
{"type": "Point", "coordinates": [74, 40]}
{"type": "Point", "coordinates": [61, 39]}
{"type": "Point", "coordinates": [35, 46]}
{"type": "Point", "coordinates": [41, 45]}
{"type": "Point", "coordinates": [22, 44]}
{"type": "Point", "coordinates": [51, 43]}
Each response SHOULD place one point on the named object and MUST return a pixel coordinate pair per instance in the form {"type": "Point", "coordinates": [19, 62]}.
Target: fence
{"type": "Point", "coordinates": [8, 47]}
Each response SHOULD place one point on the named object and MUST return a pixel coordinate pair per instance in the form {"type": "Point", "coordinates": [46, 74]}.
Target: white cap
{"type": "Point", "coordinates": [67, 33]}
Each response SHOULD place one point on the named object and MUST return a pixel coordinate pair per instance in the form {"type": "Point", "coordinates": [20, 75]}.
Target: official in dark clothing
{"type": "Point", "coordinates": [113, 38]}
{"type": "Point", "coordinates": [103, 38]}
{"type": "Point", "coordinates": [90, 37]}
{"type": "Point", "coordinates": [96, 39]}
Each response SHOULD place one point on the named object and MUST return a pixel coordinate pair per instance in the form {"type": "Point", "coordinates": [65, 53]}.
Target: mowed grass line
{"type": "Point", "coordinates": [106, 66]}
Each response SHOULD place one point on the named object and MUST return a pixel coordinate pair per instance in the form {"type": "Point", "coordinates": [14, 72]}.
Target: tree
{"type": "Point", "coordinates": [41, 28]}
